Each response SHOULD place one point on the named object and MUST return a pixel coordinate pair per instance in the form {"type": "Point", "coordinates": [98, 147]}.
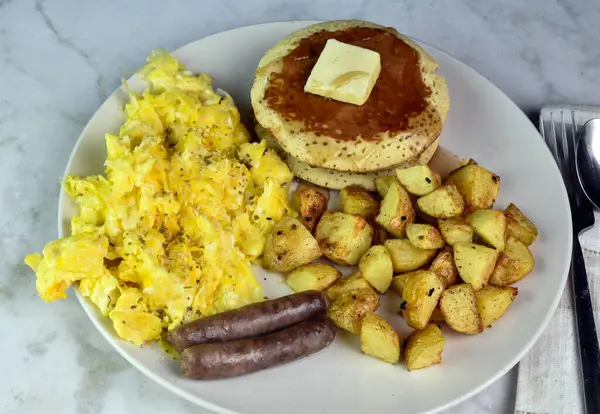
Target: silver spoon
{"type": "Point", "coordinates": [587, 165]}
{"type": "Point", "coordinates": [587, 160]}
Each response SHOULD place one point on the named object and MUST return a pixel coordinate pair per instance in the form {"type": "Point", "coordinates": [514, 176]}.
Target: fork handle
{"type": "Point", "coordinates": [589, 351]}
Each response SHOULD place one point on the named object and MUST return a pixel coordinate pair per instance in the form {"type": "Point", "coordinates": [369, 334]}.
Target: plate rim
{"type": "Point", "coordinates": [223, 410]}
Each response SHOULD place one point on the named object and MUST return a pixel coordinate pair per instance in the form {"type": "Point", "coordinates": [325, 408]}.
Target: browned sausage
{"type": "Point", "coordinates": [232, 359]}
{"type": "Point", "coordinates": [250, 321]}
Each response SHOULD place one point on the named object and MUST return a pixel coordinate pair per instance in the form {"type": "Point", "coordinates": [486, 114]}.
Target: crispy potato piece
{"type": "Point", "coordinates": [493, 301]}
{"type": "Point", "coordinates": [313, 276]}
{"type": "Point", "coordinates": [376, 267]}
{"type": "Point", "coordinates": [348, 310]}
{"type": "Point", "coordinates": [420, 295]}
{"type": "Point", "coordinates": [405, 256]}
{"type": "Point", "coordinates": [383, 184]}
{"type": "Point", "coordinates": [396, 211]}
{"type": "Point", "coordinates": [305, 184]}
{"type": "Point", "coordinates": [459, 307]}
{"type": "Point", "coordinates": [419, 180]}
{"type": "Point", "coordinates": [350, 283]}
{"type": "Point", "coordinates": [378, 338]}
{"type": "Point", "coordinates": [311, 202]}
{"type": "Point", "coordinates": [475, 263]}
{"type": "Point", "coordinates": [519, 226]}
{"type": "Point", "coordinates": [356, 200]}
{"type": "Point", "coordinates": [443, 266]}
{"type": "Point", "coordinates": [490, 225]}
{"type": "Point", "coordinates": [514, 263]}
{"type": "Point", "coordinates": [343, 238]}
{"type": "Point", "coordinates": [399, 281]}
{"type": "Point", "coordinates": [437, 316]}
{"type": "Point", "coordinates": [478, 186]}
{"type": "Point", "coordinates": [516, 214]}
{"type": "Point", "coordinates": [445, 202]}
{"type": "Point", "coordinates": [289, 245]}
{"type": "Point", "coordinates": [514, 229]}
{"type": "Point", "coordinates": [424, 348]}
{"type": "Point", "coordinates": [455, 230]}
{"type": "Point", "coordinates": [424, 236]}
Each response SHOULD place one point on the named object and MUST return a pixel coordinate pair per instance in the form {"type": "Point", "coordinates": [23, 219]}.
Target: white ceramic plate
{"type": "Point", "coordinates": [483, 124]}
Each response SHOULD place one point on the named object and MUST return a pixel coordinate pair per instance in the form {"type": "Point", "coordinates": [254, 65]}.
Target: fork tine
{"type": "Point", "coordinates": [551, 141]}
{"type": "Point", "coordinates": [567, 147]}
{"type": "Point", "coordinates": [573, 126]}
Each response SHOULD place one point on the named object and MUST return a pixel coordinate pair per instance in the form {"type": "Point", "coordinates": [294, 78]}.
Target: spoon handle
{"type": "Point", "coordinates": [589, 351]}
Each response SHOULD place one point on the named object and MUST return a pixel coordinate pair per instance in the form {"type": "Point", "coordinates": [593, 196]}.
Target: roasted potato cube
{"type": "Point", "coordinates": [519, 226]}
{"type": "Point", "coordinates": [514, 263]}
{"type": "Point", "coordinates": [313, 276]}
{"type": "Point", "coordinates": [420, 295]}
{"type": "Point", "coordinates": [478, 186]}
{"type": "Point", "coordinates": [455, 230]}
{"type": "Point", "coordinates": [382, 184]}
{"type": "Point", "coordinates": [424, 236]}
{"type": "Point", "coordinates": [347, 311]}
{"type": "Point", "coordinates": [405, 256]}
{"type": "Point", "coordinates": [445, 202]}
{"type": "Point", "coordinates": [350, 283]}
{"type": "Point", "coordinates": [376, 267]}
{"type": "Point", "coordinates": [289, 245]}
{"type": "Point", "coordinates": [459, 307]}
{"type": "Point", "coordinates": [343, 238]}
{"type": "Point", "coordinates": [493, 301]}
{"type": "Point", "coordinates": [378, 338]}
{"type": "Point", "coordinates": [356, 200]}
{"type": "Point", "coordinates": [490, 225]}
{"type": "Point", "coordinates": [311, 202]}
{"type": "Point", "coordinates": [419, 180]}
{"type": "Point", "coordinates": [399, 281]}
{"type": "Point", "coordinates": [475, 263]}
{"type": "Point", "coordinates": [514, 229]}
{"type": "Point", "coordinates": [443, 266]}
{"type": "Point", "coordinates": [437, 316]}
{"type": "Point", "coordinates": [396, 211]}
{"type": "Point", "coordinates": [302, 185]}
{"type": "Point", "coordinates": [424, 348]}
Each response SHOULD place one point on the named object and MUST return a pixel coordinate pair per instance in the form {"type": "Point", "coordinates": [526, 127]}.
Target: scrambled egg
{"type": "Point", "coordinates": [168, 235]}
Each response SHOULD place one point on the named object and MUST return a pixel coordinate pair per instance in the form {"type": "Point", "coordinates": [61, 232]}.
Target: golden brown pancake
{"type": "Point", "coordinates": [403, 116]}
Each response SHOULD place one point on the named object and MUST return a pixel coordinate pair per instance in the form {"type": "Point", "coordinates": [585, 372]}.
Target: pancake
{"type": "Point", "coordinates": [337, 180]}
{"type": "Point", "coordinates": [403, 116]}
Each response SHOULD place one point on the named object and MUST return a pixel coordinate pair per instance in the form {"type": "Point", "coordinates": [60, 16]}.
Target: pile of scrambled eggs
{"type": "Point", "coordinates": [168, 235]}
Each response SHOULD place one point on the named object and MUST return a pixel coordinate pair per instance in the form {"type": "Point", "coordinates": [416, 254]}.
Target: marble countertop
{"type": "Point", "coordinates": [59, 59]}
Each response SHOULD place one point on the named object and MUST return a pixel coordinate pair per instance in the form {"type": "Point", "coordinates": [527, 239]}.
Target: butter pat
{"type": "Point", "coordinates": [343, 72]}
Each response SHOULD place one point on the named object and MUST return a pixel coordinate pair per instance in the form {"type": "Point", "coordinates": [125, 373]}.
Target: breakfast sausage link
{"type": "Point", "coordinates": [250, 321]}
{"type": "Point", "coordinates": [232, 359]}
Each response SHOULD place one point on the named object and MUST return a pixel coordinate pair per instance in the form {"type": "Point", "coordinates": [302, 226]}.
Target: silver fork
{"type": "Point", "coordinates": [562, 145]}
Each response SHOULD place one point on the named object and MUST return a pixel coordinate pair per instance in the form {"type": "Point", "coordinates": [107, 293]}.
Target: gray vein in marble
{"type": "Point", "coordinates": [40, 347]}
{"type": "Point", "coordinates": [5, 3]}
{"type": "Point", "coordinates": [5, 53]}
{"type": "Point", "coordinates": [532, 57]}
{"type": "Point", "coordinates": [567, 6]}
{"type": "Point", "coordinates": [6, 295]}
{"type": "Point", "coordinates": [99, 366]}
{"type": "Point", "coordinates": [9, 142]}
{"type": "Point", "coordinates": [39, 7]}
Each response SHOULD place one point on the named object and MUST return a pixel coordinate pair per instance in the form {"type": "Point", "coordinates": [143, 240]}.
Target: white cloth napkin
{"type": "Point", "coordinates": [549, 375]}
{"type": "Point", "coordinates": [549, 378]}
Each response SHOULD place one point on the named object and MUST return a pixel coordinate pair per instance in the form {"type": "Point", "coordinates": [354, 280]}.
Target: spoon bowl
{"type": "Point", "coordinates": [587, 160]}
